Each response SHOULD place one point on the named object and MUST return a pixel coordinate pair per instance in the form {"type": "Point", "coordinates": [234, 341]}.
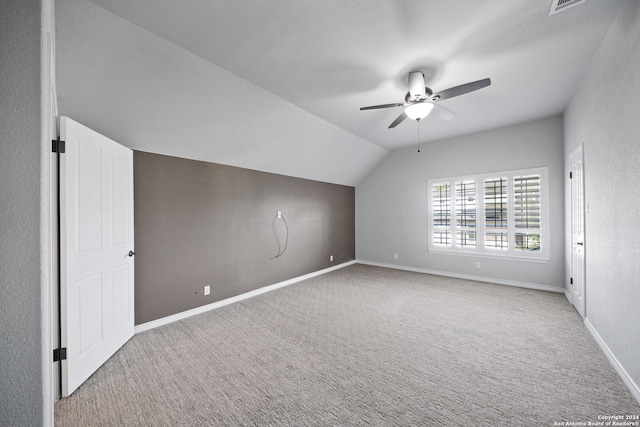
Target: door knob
{"type": "Point", "coordinates": [131, 253]}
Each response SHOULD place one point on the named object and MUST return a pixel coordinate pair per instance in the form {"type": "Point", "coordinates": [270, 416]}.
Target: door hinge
{"type": "Point", "coordinates": [57, 146]}
{"type": "Point", "coordinates": [571, 281]}
{"type": "Point", "coordinates": [570, 175]}
{"type": "Point", "coordinates": [59, 354]}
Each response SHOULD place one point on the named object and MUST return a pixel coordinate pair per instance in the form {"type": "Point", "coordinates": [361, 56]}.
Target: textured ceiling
{"type": "Point", "coordinates": [331, 57]}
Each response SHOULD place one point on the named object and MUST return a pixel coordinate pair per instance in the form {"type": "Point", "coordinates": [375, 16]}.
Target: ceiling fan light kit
{"type": "Point", "coordinates": [419, 110]}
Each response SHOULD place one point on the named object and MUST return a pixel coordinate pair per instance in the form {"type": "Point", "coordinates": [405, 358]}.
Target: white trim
{"type": "Point", "coordinates": [203, 309]}
{"type": "Point", "coordinates": [578, 150]}
{"type": "Point", "coordinates": [493, 280]}
{"type": "Point", "coordinates": [48, 255]}
{"type": "Point", "coordinates": [633, 387]}
{"type": "Point", "coordinates": [567, 295]}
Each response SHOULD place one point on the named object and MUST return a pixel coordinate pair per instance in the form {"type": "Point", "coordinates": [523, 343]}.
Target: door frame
{"type": "Point", "coordinates": [50, 172]}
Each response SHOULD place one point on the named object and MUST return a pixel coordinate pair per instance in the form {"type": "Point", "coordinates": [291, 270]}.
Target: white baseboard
{"type": "Point", "coordinates": [567, 295]}
{"type": "Point", "coordinates": [203, 309]}
{"type": "Point", "coordinates": [468, 277]}
{"type": "Point", "coordinates": [633, 387]}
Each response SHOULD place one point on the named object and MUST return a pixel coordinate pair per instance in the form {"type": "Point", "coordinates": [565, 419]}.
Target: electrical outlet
{"type": "Point", "coordinates": [395, 256]}
{"type": "Point", "coordinates": [207, 290]}
{"type": "Point", "coordinates": [478, 265]}
{"type": "Point", "coordinates": [330, 257]}
{"type": "Point", "coordinates": [279, 214]}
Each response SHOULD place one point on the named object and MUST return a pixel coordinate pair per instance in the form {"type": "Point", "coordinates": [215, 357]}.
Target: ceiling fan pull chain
{"type": "Point", "coordinates": [418, 135]}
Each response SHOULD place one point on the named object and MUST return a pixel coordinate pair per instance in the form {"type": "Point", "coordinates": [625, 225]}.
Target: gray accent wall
{"type": "Point", "coordinates": [604, 115]}
{"type": "Point", "coordinates": [391, 201]}
{"type": "Point", "coordinates": [200, 223]}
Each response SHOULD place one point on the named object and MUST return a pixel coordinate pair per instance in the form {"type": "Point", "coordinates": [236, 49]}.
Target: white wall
{"type": "Point", "coordinates": [605, 116]}
{"type": "Point", "coordinates": [25, 353]}
{"type": "Point", "coordinates": [151, 95]}
{"type": "Point", "coordinates": [391, 201]}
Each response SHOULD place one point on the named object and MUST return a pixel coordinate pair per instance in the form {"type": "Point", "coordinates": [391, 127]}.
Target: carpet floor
{"type": "Point", "coordinates": [361, 346]}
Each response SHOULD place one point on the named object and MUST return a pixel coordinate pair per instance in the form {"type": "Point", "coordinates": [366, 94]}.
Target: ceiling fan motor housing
{"type": "Point", "coordinates": [417, 89]}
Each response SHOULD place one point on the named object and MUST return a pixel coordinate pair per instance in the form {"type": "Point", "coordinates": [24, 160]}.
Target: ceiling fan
{"type": "Point", "coordinates": [420, 101]}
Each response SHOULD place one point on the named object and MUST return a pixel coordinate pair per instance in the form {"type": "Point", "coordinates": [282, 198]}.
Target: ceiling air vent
{"type": "Point", "coordinates": [560, 5]}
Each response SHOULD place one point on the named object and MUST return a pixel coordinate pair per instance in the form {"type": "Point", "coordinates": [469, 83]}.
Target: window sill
{"type": "Point", "coordinates": [540, 259]}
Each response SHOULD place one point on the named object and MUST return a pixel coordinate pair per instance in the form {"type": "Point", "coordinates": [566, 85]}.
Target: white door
{"type": "Point", "coordinates": [577, 232]}
{"type": "Point", "coordinates": [96, 237]}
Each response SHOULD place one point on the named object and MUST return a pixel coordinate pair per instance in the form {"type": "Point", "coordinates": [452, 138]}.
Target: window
{"type": "Point", "coordinates": [500, 214]}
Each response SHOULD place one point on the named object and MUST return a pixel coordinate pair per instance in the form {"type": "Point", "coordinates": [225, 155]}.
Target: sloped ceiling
{"type": "Point", "coordinates": [277, 85]}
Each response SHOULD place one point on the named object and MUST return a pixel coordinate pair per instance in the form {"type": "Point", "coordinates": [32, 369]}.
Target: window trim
{"type": "Point", "coordinates": [480, 250]}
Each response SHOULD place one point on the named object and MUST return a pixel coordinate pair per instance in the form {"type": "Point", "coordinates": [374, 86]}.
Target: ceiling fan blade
{"type": "Point", "coordinates": [462, 89]}
{"type": "Point", "coordinates": [397, 121]}
{"type": "Point", "coordinates": [417, 88]}
{"type": "Point", "coordinates": [375, 107]}
{"type": "Point", "coordinates": [442, 112]}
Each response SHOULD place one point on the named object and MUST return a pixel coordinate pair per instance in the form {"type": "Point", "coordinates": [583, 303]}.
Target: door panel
{"type": "Point", "coordinates": [88, 204]}
{"type": "Point", "coordinates": [90, 308]}
{"type": "Point", "coordinates": [96, 232]}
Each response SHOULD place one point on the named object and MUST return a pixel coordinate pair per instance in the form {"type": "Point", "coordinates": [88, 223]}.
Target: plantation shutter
{"type": "Point", "coordinates": [527, 212]}
{"type": "Point", "coordinates": [441, 198]}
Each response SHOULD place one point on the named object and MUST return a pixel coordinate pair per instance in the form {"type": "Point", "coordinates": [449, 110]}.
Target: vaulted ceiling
{"type": "Point", "coordinates": [326, 59]}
